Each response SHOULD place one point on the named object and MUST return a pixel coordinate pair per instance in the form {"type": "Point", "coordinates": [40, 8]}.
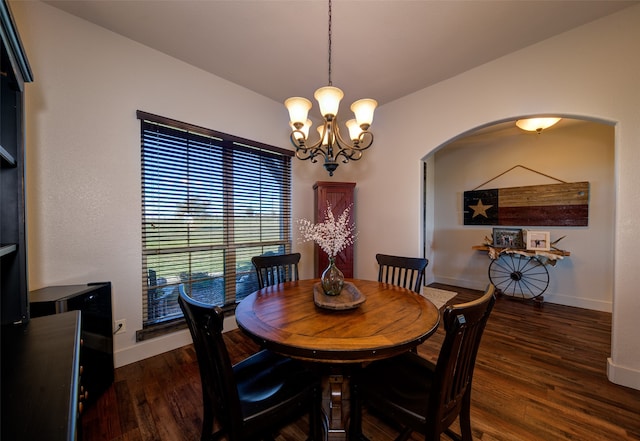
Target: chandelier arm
{"type": "Point", "coordinates": [331, 134]}
{"type": "Point", "coordinates": [343, 144]}
{"type": "Point", "coordinates": [348, 151]}
{"type": "Point", "coordinates": [298, 140]}
{"type": "Point", "coordinates": [306, 155]}
{"type": "Point", "coordinates": [349, 155]}
{"type": "Point", "coordinates": [345, 148]}
{"type": "Point", "coordinates": [361, 145]}
{"type": "Point", "coordinates": [303, 151]}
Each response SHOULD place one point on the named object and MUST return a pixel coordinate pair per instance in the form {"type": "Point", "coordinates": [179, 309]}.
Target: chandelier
{"type": "Point", "coordinates": [331, 144]}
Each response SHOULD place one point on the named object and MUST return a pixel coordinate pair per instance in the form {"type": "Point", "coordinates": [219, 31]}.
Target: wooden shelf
{"type": "Point", "coordinates": [561, 253]}
{"type": "Point", "coordinates": [7, 157]}
{"type": "Point", "coordinates": [7, 249]}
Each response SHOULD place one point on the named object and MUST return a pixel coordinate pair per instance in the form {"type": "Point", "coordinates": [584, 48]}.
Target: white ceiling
{"type": "Point", "coordinates": [382, 49]}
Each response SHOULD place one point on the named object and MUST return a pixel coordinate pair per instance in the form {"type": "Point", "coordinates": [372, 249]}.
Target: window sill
{"type": "Point", "coordinates": [160, 329]}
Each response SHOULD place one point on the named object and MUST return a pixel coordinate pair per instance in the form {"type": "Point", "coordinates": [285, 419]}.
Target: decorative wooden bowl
{"type": "Point", "coordinates": [349, 297]}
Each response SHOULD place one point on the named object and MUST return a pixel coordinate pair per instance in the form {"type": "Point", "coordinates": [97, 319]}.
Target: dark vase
{"type": "Point", "coordinates": [332, 279]}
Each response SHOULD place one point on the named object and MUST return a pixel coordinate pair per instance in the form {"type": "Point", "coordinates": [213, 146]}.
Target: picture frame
{"type": "Point", "coordinates": [538, 240]}
{"type": "Point", "coordinates": [508, 238]}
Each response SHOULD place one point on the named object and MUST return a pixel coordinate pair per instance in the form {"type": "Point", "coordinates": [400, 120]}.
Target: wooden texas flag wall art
{"type": "Point", "coordinates": [565, 204]}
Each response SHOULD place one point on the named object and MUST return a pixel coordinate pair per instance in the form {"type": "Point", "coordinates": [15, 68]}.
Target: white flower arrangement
{"type": "Point", "coordinates": [332, 235]}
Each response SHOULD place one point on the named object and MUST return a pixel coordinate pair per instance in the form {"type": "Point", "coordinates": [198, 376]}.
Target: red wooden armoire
{"type": "Point", "coordinates": [340, 196]}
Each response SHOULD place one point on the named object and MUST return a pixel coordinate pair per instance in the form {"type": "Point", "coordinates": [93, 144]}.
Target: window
{"type": "Point", "coordinates": [210, 202]}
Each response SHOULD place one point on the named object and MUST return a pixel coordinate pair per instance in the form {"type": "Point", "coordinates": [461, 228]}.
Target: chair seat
{"type": "Point", "coordinates": [402, 383]}
{"type": "Point", "coordinates": [264, 380]}
{"type": "Point", "coordinates": [251, 399]}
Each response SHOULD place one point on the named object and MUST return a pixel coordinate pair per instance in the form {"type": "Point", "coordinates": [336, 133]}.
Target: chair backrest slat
{"type": "Point", "coordinates": [407, 272]}
{"type": "Point", "coordinates": [272, 270]}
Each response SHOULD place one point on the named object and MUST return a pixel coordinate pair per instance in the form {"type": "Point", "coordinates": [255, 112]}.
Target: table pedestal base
{"type": "Point", "coordinates": [335, 405]}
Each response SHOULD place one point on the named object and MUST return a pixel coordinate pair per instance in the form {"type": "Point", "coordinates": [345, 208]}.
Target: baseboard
{"type": "Point", "coordinates": [579, 302]}
{"type": "Point", "coordinates": [622, 375]}
{"type": "Point", "coordinates": [469, 284]}
{"type": "Point", "coordinates": [150, 348]}
{"type": "Point", "coordinates": [560, 299]}
{"type": "Point", "coordinates": [159, 345]}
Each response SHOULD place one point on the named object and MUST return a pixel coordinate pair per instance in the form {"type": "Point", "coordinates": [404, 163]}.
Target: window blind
{"type": "Point", "coordinates": [210, 202]}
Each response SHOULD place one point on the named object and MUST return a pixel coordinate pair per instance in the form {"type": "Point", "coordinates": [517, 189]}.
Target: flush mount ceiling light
{"type": "Point", "coordinates": [536, 124]}
{"type": "Point", "coordinates": [330, 145]}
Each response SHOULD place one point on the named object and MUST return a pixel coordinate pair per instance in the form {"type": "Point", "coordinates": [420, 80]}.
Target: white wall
{"type": "Point", "coordinates": [570, 152]}
{"type": "Point", "coordinates": [590, 72]}
{"type": "Point", "coordinates": [83, 150]}
{"type": "Point", "coordinates": [83, 153]}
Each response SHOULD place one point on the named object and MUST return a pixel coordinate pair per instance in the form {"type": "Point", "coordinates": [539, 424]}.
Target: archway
{"type": "Point", "coordinates": [574, 150]}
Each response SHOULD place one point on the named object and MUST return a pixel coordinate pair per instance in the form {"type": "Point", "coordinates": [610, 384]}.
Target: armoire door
{"type": "Point", "coordinates": [340, 195]}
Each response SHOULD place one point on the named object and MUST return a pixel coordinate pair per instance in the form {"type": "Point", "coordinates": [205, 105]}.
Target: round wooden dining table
{"type": "Point", "coordinates": [285, 319]}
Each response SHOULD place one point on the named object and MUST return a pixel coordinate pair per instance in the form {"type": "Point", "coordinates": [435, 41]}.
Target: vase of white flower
{"type": "Point", "coordinates": [332, 279]}
{"type": "Point", "coordinates": [332, 236]}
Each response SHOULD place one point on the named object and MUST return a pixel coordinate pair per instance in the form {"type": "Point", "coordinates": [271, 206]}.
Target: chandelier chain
{"type": "Point", "coordinates": [330, 84]}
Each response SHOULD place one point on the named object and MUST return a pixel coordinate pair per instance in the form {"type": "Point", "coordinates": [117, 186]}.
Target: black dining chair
{"type": "Point", "coordinates": [272, 270]}
{"type": "Point", "coordinates": [253, 398]}
{"type": "Point", "coordinates": [407, 272]}
{"type": "Point", "coordinates": [422, 396]}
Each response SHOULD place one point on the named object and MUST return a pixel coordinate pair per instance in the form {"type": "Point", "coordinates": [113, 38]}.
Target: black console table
{"type": "Point", "coordinates": [40, 376]}
{"type": "Point", "coordinates": [96, 353]}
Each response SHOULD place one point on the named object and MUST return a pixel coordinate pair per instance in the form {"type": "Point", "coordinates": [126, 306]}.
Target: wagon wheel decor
{"type": "Point", "coordinates": [519, 276]}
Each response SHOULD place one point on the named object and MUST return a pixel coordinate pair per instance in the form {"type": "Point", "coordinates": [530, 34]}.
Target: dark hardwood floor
{"type": "Point", "coordinates": [540, 375]}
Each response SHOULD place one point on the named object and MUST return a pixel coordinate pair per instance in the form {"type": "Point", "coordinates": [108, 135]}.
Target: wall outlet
{"type": "Point", "coordinates": [120, 326]}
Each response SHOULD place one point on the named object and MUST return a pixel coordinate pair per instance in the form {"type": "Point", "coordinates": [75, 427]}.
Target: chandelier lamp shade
{"type": "Point", "coordinates": [331, 145]}
{"type": "Point", "coordinates": [536, 124]}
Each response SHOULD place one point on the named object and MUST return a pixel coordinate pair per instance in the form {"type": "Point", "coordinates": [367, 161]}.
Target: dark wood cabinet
{"type": "Point", "coordinates": [40, 379]}
{"type": "Point", "coordinates": [340, 195]}
{"type": "Point", "coordinates": [14, 72]}
{"type": "Point", "coordinates": [93, 300]}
